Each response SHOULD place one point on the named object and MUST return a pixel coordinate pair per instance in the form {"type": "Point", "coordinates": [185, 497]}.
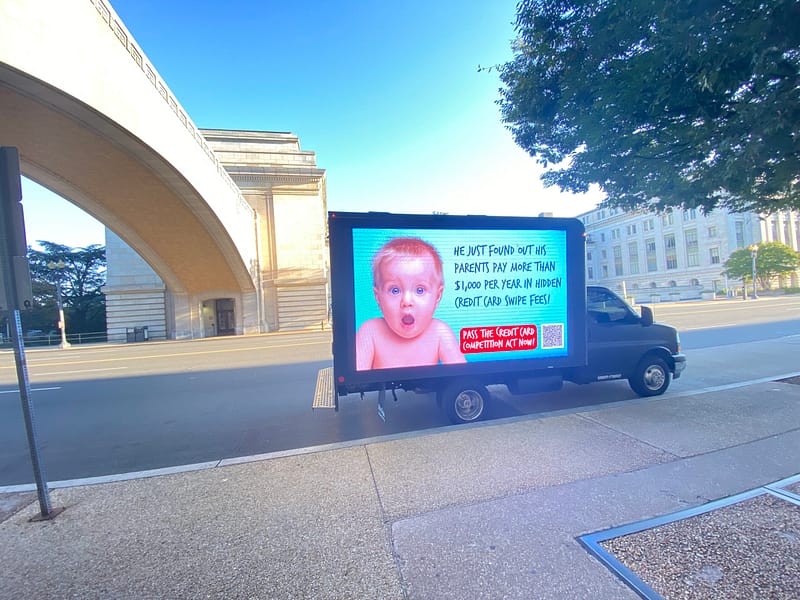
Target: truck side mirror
{"type": "Point", "coordinates": [647, 316]}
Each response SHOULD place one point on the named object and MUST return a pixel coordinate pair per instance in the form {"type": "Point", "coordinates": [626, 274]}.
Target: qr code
{"type": "Point", "coordinates": [552, 335]}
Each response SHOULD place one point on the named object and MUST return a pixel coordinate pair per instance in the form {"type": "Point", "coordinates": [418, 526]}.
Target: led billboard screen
{"type": "Point", "coordinates": [419, 295]}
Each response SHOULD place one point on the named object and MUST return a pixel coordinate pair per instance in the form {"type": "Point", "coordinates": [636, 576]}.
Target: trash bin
{"type": "Point", "coordinates": [137, 334]}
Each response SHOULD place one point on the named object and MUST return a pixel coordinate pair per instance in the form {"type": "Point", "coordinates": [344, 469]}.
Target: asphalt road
{"type": "Point", "coordinates": [114, 409]}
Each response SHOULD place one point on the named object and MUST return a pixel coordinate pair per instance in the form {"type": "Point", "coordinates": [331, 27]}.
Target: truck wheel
{"type": "Point", "coordinates": [651, 377]}
{"type": "Point", "coordinates": [464, 402]}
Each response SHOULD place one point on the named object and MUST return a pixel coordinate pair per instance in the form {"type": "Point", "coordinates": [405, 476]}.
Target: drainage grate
{"type": "Point", "coordinates": [745, 546]}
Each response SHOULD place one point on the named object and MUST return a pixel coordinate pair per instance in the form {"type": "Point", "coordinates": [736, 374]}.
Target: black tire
{"type": "Point", "coordinates": [464, 401]}
{"type": "Point", "coordinates": [651, 377]}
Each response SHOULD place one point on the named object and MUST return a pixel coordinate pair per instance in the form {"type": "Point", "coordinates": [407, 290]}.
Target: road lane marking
{"type": "Point", "coordinates": [80, 371]}
{"type": "Point", "coordinates": [44, 389]}
{"type": "Point", "coordinates": [169, 355]}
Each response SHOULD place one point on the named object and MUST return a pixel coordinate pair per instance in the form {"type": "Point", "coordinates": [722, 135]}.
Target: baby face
{"type": "Point", "coordinates": [408, 292]}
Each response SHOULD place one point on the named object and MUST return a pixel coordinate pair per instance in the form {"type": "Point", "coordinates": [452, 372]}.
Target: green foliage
{"type": "Point", "coordinates": [81, 279]}
{"type": "Point", "coordinates": [687, 103]}
{"type": "Point", "coordinates": [772, 259]}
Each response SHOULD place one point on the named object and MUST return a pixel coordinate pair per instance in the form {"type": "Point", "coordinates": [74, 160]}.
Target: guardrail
{"type": "Point", "coordinates": [54, 339]}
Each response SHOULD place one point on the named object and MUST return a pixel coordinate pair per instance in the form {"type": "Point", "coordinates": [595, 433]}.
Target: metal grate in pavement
{"type": "Point", "coordinates": [743, 546]}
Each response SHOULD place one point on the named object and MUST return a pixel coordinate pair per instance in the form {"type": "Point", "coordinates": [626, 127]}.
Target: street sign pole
{"type": "Point", "coordinates": [16, 281]}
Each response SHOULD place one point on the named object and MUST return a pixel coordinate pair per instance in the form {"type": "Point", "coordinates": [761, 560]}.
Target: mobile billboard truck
{"type": "Point", "coordinates": [451, 304]}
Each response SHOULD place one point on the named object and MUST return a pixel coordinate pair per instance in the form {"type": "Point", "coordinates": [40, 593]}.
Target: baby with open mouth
{"type": "Point", "coordinates": [408, 285]}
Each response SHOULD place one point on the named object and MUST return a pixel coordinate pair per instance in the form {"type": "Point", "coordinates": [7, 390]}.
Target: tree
{"type": "Point", "coordinates": [81, 279]}
{"type": "Point", "coordinates": [772, 259]}
{"type": "Point", "coordinates": [689, 104]}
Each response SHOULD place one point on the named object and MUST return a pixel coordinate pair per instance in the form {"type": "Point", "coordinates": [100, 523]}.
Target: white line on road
{"type": "Point", "coordinates": [44, 389]}
{"type": "Point", "coordinates": [81, 371]}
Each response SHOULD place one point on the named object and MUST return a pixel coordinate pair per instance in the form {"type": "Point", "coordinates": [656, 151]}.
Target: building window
{"type": "Point", "coordinates": [602, 236]}
{"type": "Point", "coordinates": [590, 272]}
{"type": "Point", "coordinates": [739, 227]}
{"type": "Point", "coordinates": [690, 215]}
{"type": "Point", "coordinates": [668, 218]}
{"type": "Point", "coordinates": [605, 271]}
{"type": "Point", "coordinates": [692, 248]}
{"type": "Point", "coordinates": [615, 233]}
{"type": "Point", "coordinates": [670, 252]}
{"type": "Point", "coordinates": [633, 258]}
{"type": "Point", "coordinates": [618, 261]}
{"type": "Point", "coordinates": [694, 282]}
{"type": "Point", "coordinates": [672, 284]}
{"type": "Point", "coordinates": [649, 225]}
{"type": "Point", "coordinates": [603, 254]}
{"type": "Point", "coordinates": [712, 231]}
{"type": "Point", "coordinates": [588, 256]}
{"type": "Point", "coordinates": [631, 229]}
{"type": "Point", "coordinates": [714, 254]}
{"type": "Point", "coordinates": [775, 237]}
{"type": "Point", "coordinates": [650, 252]}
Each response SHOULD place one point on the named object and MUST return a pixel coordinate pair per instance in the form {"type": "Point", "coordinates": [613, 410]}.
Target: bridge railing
{"type": "Point", "coordinates": [125, 38]}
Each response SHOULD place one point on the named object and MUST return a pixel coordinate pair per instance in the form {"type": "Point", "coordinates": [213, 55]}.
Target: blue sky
{"type": "Point", "coordinates": [388, 95]}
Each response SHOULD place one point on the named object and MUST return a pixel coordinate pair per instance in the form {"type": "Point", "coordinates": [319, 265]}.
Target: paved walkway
{"type": "Point", "coordinates": [495, 510]}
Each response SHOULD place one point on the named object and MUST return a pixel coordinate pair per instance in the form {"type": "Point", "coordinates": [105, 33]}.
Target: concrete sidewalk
{"type": "Point", "coordinates": [488, 511]}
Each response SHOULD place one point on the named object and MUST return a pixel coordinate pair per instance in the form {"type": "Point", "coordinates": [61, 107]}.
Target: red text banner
{"type": "Point", "coordinates": [499, 338]}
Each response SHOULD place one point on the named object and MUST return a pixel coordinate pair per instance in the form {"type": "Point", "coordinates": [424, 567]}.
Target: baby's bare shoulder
{"type": "Point", "coordinates": [441, 327]}
{"type": "Point", "coordinates": [372, 326]}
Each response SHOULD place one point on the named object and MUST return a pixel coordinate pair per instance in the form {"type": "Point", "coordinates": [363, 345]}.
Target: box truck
{"type": "Point", "coordinates": [451, 304]}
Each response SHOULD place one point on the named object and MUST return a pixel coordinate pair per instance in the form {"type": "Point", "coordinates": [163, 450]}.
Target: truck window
{"type": "Point", "coordinates": [604, 307]}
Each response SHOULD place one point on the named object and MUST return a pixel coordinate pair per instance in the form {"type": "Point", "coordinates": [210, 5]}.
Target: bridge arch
{"type": "Point", "coordinates": [95, 123]}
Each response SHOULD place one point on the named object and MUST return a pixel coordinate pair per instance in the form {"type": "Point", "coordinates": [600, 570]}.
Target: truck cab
{"type": "Point", "coordinates": [624, 344]}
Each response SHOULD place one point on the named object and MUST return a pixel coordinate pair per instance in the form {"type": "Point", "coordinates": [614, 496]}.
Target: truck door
{"type": "Point", "coordinates": [615, 334]}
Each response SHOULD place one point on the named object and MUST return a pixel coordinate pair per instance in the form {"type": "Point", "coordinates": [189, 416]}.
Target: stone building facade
{"type": "Point", "coordinates": [678, 254]}
{"type": "Point", "coordinates": [288, 192]}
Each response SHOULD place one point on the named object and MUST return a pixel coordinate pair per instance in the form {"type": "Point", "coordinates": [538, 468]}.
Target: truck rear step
{"type": "Point", "coordinates": [325, 394]}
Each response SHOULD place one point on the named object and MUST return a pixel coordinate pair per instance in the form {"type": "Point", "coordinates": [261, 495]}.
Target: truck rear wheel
{"type": "Point", "coordinates": [651, 377]}
{"type": "Point", "coordinates": [464, 401]}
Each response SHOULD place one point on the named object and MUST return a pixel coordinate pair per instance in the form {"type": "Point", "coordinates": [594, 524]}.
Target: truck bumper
{"type": "Point", "coordinates": [680, 365]}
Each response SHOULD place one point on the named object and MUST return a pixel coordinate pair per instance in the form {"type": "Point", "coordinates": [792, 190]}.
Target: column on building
{"type": "Point", "coordinates": [283, 184]}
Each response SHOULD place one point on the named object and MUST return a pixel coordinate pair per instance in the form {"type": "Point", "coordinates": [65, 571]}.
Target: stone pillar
{"type": "Point", "coordinates": [262, 203]}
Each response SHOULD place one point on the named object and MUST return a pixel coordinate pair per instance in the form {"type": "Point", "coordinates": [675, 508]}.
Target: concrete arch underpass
{"type": "Point", "coordinates": [122, 191]}
{"type": "Point", "coordinates": [94, 123]}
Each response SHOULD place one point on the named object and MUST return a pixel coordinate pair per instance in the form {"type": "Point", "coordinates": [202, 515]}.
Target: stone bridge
{"type": "Point", "coordinates": [95, 123]}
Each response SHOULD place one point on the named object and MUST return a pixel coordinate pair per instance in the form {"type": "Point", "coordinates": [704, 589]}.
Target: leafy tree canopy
{"type": "Point", "coordinates": [772, 259]}
{"type": "Point", "coordinates": [692, 103]}
{"type": "Point", "coordinates": [84, 269]}
{"type": "Point", "coordinates": [83, 275]}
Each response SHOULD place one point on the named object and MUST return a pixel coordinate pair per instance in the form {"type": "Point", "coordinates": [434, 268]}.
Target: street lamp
{"type": "Point", "coordinates": [754, 254]}
{"type": "Point", "coordinates": [58, 271]}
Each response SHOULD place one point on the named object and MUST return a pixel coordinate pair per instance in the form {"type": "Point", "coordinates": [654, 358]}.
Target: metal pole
{"type": "Point", "coordinates": [12, 245]}
{"type": "Point", "coordinates": [58, 270]}
{"type": "Point", "coordinates": [47, 512]}
{"type": "Point", "coordinates": [61, 321]}
{"type": "Point", "coordinates": [754, 254]}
